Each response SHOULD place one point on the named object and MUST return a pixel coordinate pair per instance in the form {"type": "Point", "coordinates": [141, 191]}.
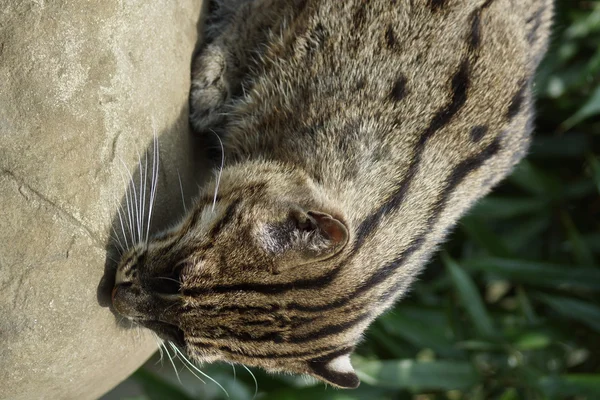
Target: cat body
{"type": "Point", "coordinates": [355, 134]}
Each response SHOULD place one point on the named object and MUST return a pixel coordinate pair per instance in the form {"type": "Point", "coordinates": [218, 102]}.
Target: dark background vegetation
{"type": "Point", "coordinates": [510, 308]}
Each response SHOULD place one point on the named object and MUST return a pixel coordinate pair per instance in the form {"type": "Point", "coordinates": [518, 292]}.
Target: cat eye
{"type": "Point", "coordinates": [169, 284]}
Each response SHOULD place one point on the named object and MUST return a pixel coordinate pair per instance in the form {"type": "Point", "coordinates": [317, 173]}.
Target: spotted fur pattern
{"type": "Point", "coordinates": [356, 133]}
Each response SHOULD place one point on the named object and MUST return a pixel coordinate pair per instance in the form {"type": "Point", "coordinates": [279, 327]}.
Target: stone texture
{"type": "Point", "coordinates": [83, 85]}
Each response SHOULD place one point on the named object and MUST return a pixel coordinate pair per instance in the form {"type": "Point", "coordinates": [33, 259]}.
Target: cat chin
{"type": "Point", "coordinates": [167, 332]}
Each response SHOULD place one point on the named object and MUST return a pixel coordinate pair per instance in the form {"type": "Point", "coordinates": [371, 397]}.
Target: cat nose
{"type": "Point", "coordinates": [122, 299]}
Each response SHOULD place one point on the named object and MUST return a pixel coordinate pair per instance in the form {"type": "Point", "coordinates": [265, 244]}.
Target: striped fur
{"type": "Point", "coordinates": [356, 133]}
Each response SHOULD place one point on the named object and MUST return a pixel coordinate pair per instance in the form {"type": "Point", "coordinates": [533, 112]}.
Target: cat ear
{"type": "Point", "coordinates": [337, 371]}
{"type": "Point", "coordinates": [307, 237]}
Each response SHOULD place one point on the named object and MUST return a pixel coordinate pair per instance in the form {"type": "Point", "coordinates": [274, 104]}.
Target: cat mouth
{"type": "Point", "coordinates": [125, 304]}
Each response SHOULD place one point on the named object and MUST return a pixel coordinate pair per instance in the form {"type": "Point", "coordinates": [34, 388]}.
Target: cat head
{"type": "Point", "coordinates": [240, 278]}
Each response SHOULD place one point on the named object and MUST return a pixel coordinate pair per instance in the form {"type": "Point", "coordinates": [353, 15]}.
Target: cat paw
{"type": "Point", "coordinates": [209, 89]}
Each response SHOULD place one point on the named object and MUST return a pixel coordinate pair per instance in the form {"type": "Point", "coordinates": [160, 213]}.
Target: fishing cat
{"type": "Point", "coordinates": [355, 134]}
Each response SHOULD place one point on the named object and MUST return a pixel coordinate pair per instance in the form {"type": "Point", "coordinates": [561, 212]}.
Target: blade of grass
{"type": "Point", "coordinates": [525, 234]}
{"type": "Point", "coordinates": [392, 346]}
{"type": "Point", "coordinates": [581, 252]}
{"type": "Point", "coordinates": [470, 298]}
{"type": "Point", "coordinates": [418, 375]}
{"type": "Point", "coordinates": [589, 109]}
{"type": "Point", "coordinates": [322, 393]}
{"type": "Point", "coordinates": [531, 341]}
{"type": "Point", "coordinates": [586, 313]}
{"type": "Point", "coordinates": [533, 180]}
{"type": "Point", "coordinates": [573, 145]}
{"type": "Point", "coordinates": [571, 385]}
{"type": "Point", "coordinates": [479, 233]}
{"type": "Point", "coordinates": [507, 207]}
{"type": "Point", "coordinates": [539, 273]}
{"type": "Point", "coordinates": [594, 163]}
{"type": "Point", "coordinates": [525, 305]}
{"type": "Point", "coordinates": [420, 334]}
{"type": "Point", "coordinates": [156, 388]}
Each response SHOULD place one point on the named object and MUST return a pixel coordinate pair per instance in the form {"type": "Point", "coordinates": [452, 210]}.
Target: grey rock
{"type": "Point", "coordinates": [83, 88]}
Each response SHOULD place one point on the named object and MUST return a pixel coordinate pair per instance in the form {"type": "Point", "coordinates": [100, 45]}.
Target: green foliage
{"type": "Point", "coordinates": [511, 307]}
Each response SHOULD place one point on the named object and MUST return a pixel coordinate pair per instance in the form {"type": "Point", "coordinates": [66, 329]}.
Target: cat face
{"type": "Point", "coordinates": [231, 282]}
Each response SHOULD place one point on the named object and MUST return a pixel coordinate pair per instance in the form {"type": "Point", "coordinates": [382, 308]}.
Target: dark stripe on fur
{"type": "Point", "coordinates": [329, 330]}
{"type": "Point", "coordinates": [460, 84]}
{"type": "Point", "coordinates": [536, 19]}
{"type": "Point", "coordinates": [436, 5]}
{"type": "Point", "coordinates": [478, 132]}
{"type": "Point", "coordinates": [390, 37]}
{"type": "Point", "coordinates": [517, 101]}
{"type": "Point", "coordinates": [399, 90]}
{"type": "Point", "coordinates": [267, 288]}
{"type": "Point", "coordinates": [359, 18]}
{"type": "Point", "coordinates": [225, 220]}
{"type": "Point", "coordinates": [475, 40]}
{"type": "Point", "coordinates": [316, 352]}
{"type": "Point", "coordinates": [457, 176]}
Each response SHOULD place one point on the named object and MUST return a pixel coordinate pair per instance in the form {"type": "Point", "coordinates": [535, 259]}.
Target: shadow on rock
{"type": "Point", "coordinates": [183, 166]}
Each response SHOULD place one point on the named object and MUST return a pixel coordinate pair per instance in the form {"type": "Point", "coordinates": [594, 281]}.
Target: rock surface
{"type": "Point", "coordinates": [83, 88]}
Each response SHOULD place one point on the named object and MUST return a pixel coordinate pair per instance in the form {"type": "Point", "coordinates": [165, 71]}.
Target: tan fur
{"type": "Point", "coordinates": [356, 133]}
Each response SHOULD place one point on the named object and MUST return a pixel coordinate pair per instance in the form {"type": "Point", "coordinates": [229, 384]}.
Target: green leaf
{"type": "Point", "coordinates": [534, 180]}
{"type": "Point", "coordinates": [525, 305]}
{"type": "Point", "coordinates": [582, 27]}
{"type": "Point", "coordinates": [571, 145]}
{"type": "Point", "coordinates": [525, 234]}
{"type": "Point", "coordinates": [586, 313]}
{"type": "Point", "coordinates": [592, 241]}
{"type": "Point", "coordinates": [595, 169]}
{"type": "Point", "coordinates": [531, 341]}
{"type": "Point", "coordinates": [470, 298]}
{"type": "Point", "coordinates": [589, 109]}
{"type": "Point", "coordinates": [484, 237]}
{"type": "Point", "coordinates": [156, 388]}
{"type": "Point", "coordinates": [322, 393]}
{"type": "Point", "coordinates": [418, 376]}
{"type": "Point", "coordinates": [542, 274]}
{"type": "Point", "coordinates": [582, 253]}
{"type": "Point", "coordinates": [507, 207]}
{"type": "Point", "coordinates": [392, 346]}
{"type": "Point", "coordinates": [509, 394]}
{"type": "Point", "coordinates": [479, 345]}
{"type": "Point", "coordinates": [420, 334]}
{"type": "Point", "coordinates": [571, 385]}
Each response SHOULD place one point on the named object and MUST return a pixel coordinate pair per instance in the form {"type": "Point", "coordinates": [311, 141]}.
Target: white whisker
{"type": "Point", "coordinates": [145, 190]}
{"type": "Point", "coordinates": [112, 259]}
{"type": "Point", "coordinates": [220, 170]}
{"type": "Point", "coordinates": [188, 362]}
{"type": "Point", "coordinates": [154, 181]}
{"type": "Point", "coordinates": [172, 363]}
{"type": "Point", "coordinates": [134, 202]}
{"type": "Point", "coordinates": [141, 199]}
{"type": "Point", "coordinates": [159, 345]}
{"type": "Point", "coordinates": [234, 371]}
{"type": "Point", "coordinates": [255, 381]}
{"type": "Point", "coordinates": [129, 207]}
{"type": "Point", "coordinates": [122, 226]}
{"type": "Point", "coordinates": [179, 355]}
{"type": "Point", "coordinates": [181, 189]}
{"type": "Point", "coordinates": [117, 240]}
